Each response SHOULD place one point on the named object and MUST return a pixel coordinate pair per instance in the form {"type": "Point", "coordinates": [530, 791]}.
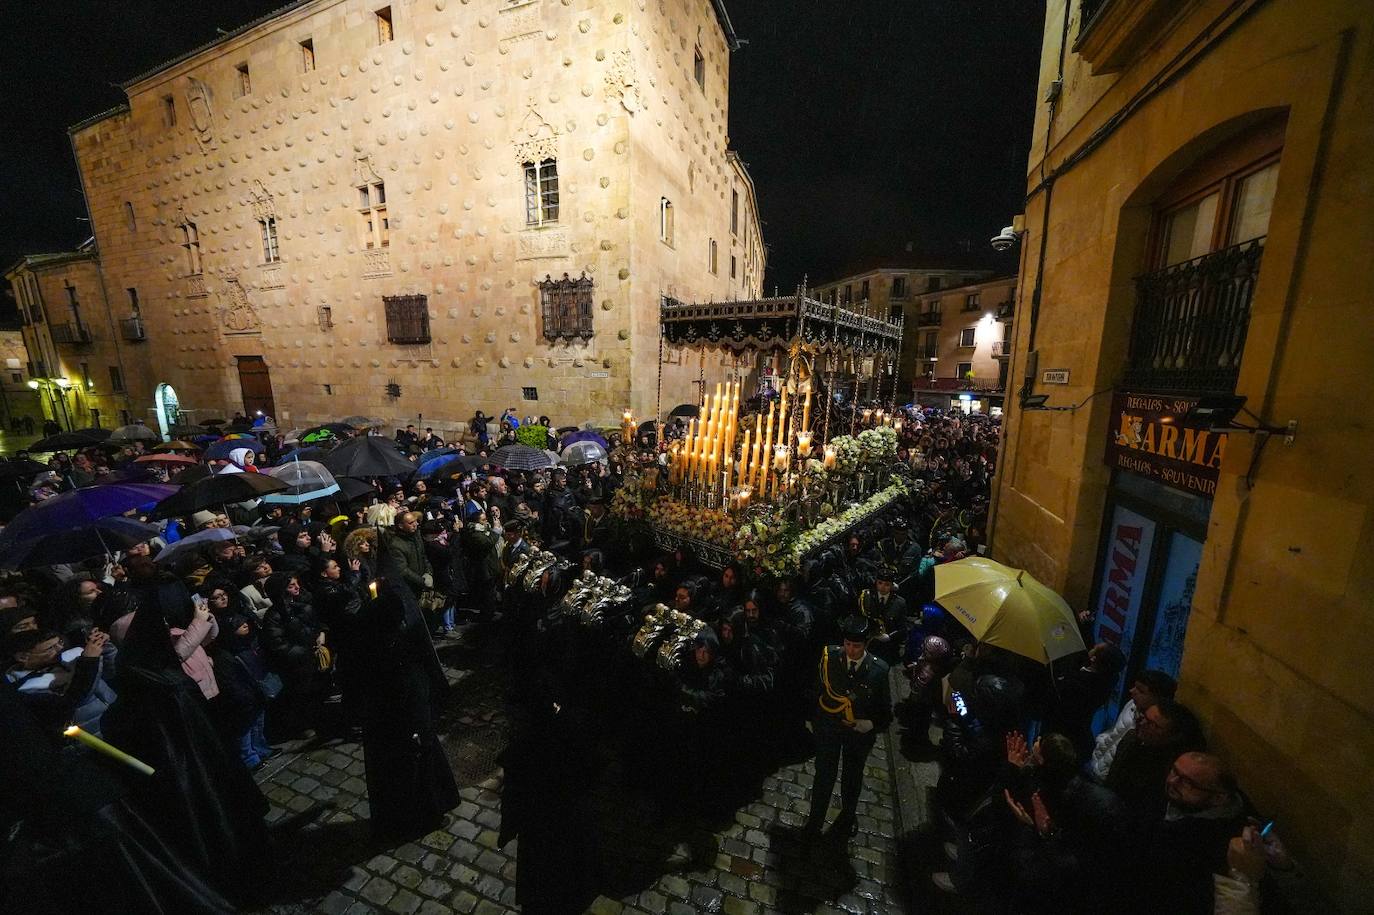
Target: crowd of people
{"type": "Point", "coordinates": [277, 622]}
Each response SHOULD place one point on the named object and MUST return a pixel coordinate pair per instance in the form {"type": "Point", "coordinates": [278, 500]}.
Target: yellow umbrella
{"type": "Point", "coordinates": [1008, 608]}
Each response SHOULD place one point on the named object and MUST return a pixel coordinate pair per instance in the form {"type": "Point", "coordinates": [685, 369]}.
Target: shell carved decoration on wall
{"type": "Point", "coordinates": [621, 84]}
{"type": "Point", "coordinates": [535, 138]}
{"type": "Point", "coordinates": [199, 103]}
{"type": "Point", "coordinates": [236, 312]}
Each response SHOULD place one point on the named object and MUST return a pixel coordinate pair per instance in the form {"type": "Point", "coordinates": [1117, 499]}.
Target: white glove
{"type": "Point", "coordinates": [863, 725]}
{"type": "Point", "coordinates": [429, 580]}
{"type": "Point", "coordinates": [884, 636]}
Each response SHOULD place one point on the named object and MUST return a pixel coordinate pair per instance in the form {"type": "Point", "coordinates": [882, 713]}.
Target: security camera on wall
{"type": "Point", "coordinates": [1004, 239]}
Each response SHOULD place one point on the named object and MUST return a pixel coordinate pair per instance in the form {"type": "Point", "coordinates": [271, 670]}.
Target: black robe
{"type": "Point", "coordinates": [201, 796]}
{"type": "Point", "coordinates": [410, 785]}
{"type": "Point", "coordinates": [80, 843]}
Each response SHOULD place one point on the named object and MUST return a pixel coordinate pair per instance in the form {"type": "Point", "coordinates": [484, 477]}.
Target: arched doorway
{"type": "Point", "coordinates": [168, 409]}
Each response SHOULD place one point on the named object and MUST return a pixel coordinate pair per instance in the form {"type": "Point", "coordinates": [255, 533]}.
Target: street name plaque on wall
{"type": "Point", "coordinates": [1055, 376]}
{"type": "Point", "coordinates": [1146, 436]}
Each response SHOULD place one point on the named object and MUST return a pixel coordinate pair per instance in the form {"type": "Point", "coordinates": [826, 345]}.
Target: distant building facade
{"type": "Point", "coordinates": [957, 348]}
{"type": "Point", "coordinates": [426, 209]}
{"type": "Point", "coordinates": [78, 345]}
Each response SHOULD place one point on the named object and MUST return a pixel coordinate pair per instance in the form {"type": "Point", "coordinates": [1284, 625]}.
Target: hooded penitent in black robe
{"type": "Point", "coordinates": [76, 843]}
{"type": "Point", "coordinates": [201, 797]}
{"type": "Point", "coordinates": [409, 783]}
{"type": "Point", "coordinates": [549, 771]}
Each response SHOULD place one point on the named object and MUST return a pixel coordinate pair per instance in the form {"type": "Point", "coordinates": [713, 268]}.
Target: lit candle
{"type": "Point", "coordinates": [782, 418]}
{"type": "Point", "coordinates": [897, 424]}
{"type": "Point", "coordinates": [100, 746]}
{"type": "Point", "coordinates": [868, 415]}
{"type": "Point", "coordinates": [758, 440]}
{"type": "Point", "coordinates": [767, 447]}
{"type": "Point", "coordinates": [828, 462]}
{"type": "Point", "coordinates": [806, 409]}
{"type": "Point", "coordinates": [804, 442]}
{"type": "Point", "coordinates": [780, 458]}
{"type": "Point", "coordinates": [743, 465]}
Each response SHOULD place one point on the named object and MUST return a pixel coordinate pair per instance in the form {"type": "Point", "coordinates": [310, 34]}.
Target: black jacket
{"type": "Point", "coordinates": [867, 690]}
{"type": "Point", "coordinates": [289, 631]}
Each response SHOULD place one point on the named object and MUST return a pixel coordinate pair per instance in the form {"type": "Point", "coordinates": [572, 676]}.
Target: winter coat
{"type": "Point", "coordinates": [409, 552]}
{"type": "Point", "coordinates": [289, 631]}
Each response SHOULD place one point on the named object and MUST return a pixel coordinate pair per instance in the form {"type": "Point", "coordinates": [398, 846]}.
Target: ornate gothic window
{"type": "Point", "coordinates": [566, 305]}
{"type": "Point", "coordinates": [190, 241]}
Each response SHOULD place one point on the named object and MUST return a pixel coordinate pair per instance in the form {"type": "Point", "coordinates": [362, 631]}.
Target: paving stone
{"type": "Point", "coordinates": [488, 907]}
{"type": "Point", "coordinates": [706, 898]}
{"type": "Point", "coordinates": [763, 893]}
{"type": "Point", "coordinates": [732, 883]}
{"type": "Point", "coordinates": [674, 885]}
{"type": "Point", "coordinates": [438, 840]}
{"type": "Point", "coordinates": [356, 878]}
{"type": "Point", "coordinates": [736, 906]}
{"type": "Point", "coordinates": [463, 901]}
{"type": "Point", "coordinates": [491, 862]}
{"type": "Point", "coordinates": [434, 887]}
{"type": "Point", "coordinates": [465, 828]}
{"type": "Point", "coordinates": [409, 852]}
{"type": "Point", "coordinates": [404, 903]}
{"type": "Point", "coordinates": [360, 908]}
{"type": "Point", "coordinates": [488, 838]}
{"type": "Point", "coordinates": [379, 891]}
{"type": "Point", "coordinates": [335, 903]}
{"type": "Point", "coordinates": [430, 907]}
{"type": "Point", "coordinates": [678, 908]}
{"type": "Point", "coordinates": [382, 864]}
{"type": "Point", "coordinates": [406, 876]}
{"type": "Point", "coordinates": [653, 902]}
{"type": "Point", "coordinates": [603, 905]}
{"type": "Point", "coordinates": [491, 886]}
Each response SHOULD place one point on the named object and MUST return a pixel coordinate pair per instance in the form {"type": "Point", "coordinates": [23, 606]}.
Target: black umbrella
{"type": "Point", "coordinates": [215, 491]}
{"type": "Point", "coordinates": [66, 441]}
{"type": "Point", "coordinates": [685, 409]}
{"type": "Point", "coordinates": [212, 422]}
{"type": "Point", "coordinates": [191, 474]}
{"type": "Point", "coordinates": [368, 456]}
{"type": "Point", "coordinates": [351, 488]}
{"type": "Point", "coordinates": [21, 469]}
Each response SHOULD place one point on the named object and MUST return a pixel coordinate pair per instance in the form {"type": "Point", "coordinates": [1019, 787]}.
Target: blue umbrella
{"type": "Point", "coordinates": [209, 535]}
{"type": "Point", "coordinates": [219, 451]}
{"type": "Point", "coordinates": [584, 435]}
{"type": "Point", "coordinates": [78, 508]}
{"type": "Point", "coordinates": [98, 538]}
{"type": "Point", "coordinates": [435, 456]}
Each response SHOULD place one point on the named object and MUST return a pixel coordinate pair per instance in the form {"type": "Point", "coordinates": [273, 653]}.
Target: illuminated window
{"type": "Point", "coordinates": [541, 192]}
{"type": "Point", "coordinates": [665, 220]}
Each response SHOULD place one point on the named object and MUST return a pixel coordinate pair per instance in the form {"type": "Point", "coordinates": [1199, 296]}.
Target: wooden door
{"type": "Point", "coordinates": [256, 383]}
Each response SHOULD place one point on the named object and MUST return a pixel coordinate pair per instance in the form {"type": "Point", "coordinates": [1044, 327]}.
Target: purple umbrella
{"type": "Point", "coordinates": [80, 507]}
{"type": "Point", "coordinates": [98, 538]}
{"type": "Point", "coordinates": [585, 435]}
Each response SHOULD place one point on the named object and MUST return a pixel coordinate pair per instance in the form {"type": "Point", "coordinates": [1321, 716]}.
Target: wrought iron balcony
{"type": "Point", "coordinates": [928, 319]}
{"type": "Point", "coordinates": [133, 329]}
{"type": "Point", "coordinates": [1006, 311]}
{"type": "Point", "coordinates": [982, 385]}
{"type": "Point", "coordinates": [1001, 349]}
{"type": "Point", "coordinates": [1190, 322]}
{"type": "Point", "coordinates": [72, 333]}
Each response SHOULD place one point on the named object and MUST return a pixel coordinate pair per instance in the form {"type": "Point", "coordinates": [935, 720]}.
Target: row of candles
{"type": "Point", "coordinates": [704, 458]}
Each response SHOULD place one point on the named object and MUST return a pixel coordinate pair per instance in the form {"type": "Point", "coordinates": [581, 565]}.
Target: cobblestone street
{"type": "Point", "coordinates": [755, 864]}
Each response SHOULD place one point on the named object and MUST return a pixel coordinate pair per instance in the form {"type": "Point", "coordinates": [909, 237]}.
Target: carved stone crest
{"type": "Point", "coordinates": [236, 312]}
{"type": "Point", "coordinates": [199, 103]}
{"type": "Point", "coordinates": [363, 171]}
{"type": "Point", "coordinates": [621, 84]}
{"type": "Point", "coordinates": [535, 138]}
{"type": "Point", "coordinates": [260, 199]}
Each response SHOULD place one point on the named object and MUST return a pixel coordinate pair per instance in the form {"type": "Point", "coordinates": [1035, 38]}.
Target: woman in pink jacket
{"type": "Point", "coordinates": [188, 642]}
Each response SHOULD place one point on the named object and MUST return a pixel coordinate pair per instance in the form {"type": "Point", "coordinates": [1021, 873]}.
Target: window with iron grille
{"type": "Point", "coordinates": [566, 305]}
{"type": "Point", "coordinates": [191, 243]}
{"type": "Point", "coordinates": [541, 192]}
{"type": "Point", "coordinates": [407, 318]}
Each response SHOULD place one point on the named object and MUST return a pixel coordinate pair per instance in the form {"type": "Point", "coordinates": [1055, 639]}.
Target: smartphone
{"type": "Point", "coordinates": [960, 705]}
{"type": "Point", "coordinates": [1264, 833]}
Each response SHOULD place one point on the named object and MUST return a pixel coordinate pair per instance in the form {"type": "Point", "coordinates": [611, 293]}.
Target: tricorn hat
{"type": "Point", "coordinates": [854, 628]}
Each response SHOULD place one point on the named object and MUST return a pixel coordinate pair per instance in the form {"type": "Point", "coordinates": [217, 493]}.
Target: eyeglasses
{"type": "Point", "coordinates": [1192, 782]}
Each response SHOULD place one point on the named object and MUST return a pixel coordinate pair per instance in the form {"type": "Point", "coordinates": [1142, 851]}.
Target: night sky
{"type": "Point", "coordinates": [871, 127]}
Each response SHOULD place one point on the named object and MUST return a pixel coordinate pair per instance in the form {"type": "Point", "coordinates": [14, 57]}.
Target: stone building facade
{"type": "Point", "coordinates": [78, 347]}
{"type": "Point", "coordinates": [958, 344]}
{"type": "Point", "coordinates": [890, 292]}
{"type": "Point", "coordinates": [350, 208]}
{"type": "Point", "coordinates": [1198, 225]}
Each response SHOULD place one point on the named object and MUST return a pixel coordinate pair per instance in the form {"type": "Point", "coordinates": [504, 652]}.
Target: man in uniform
{"type": "Point", "coordinates": [885, 610]}
{"type": "Point", "coordinates": [853, 706]}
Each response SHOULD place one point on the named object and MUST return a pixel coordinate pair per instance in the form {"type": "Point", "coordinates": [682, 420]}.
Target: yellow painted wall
{"type": "Point", "coordinates": [1276, 658]}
